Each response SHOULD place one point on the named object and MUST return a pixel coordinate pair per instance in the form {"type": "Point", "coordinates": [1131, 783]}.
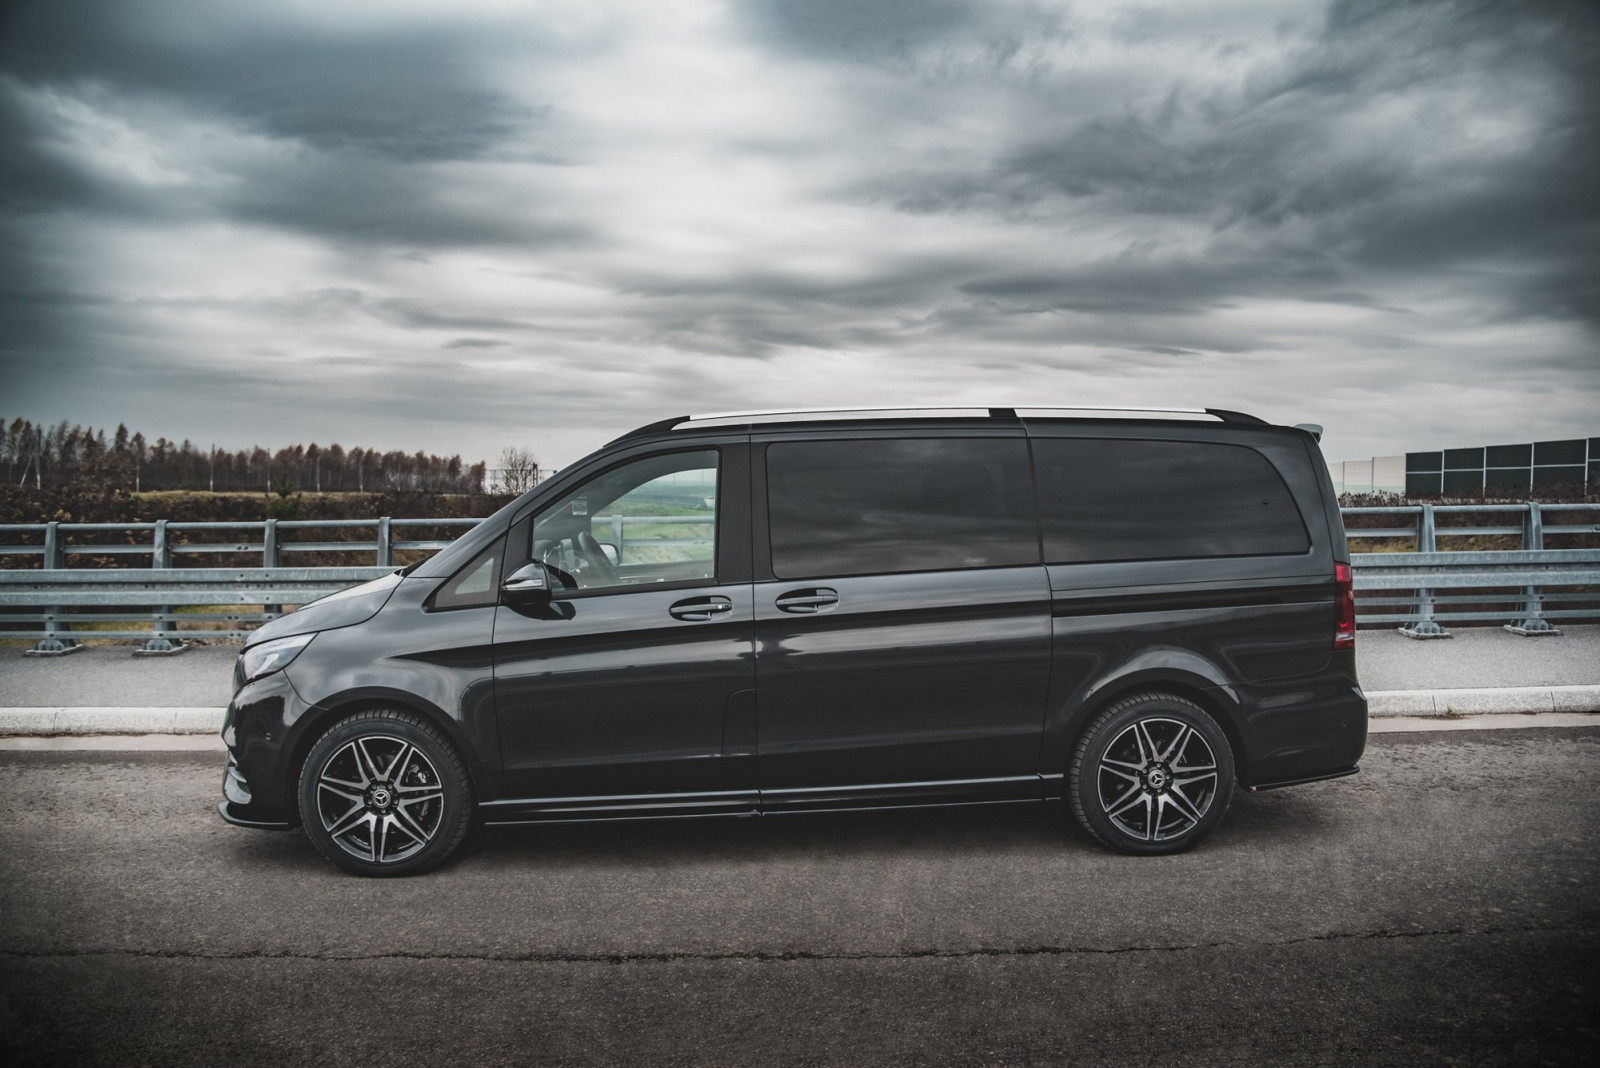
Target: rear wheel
{"type": "Point", "coordinates": [385, 793]}
{"type": "Point", "coordinates": [1151, 774]}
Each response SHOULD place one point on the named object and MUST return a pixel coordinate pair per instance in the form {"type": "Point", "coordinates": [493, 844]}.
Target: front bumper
{"type": "Point", "coordinates": [231, 812]}
{"type": "Point", "coordinates": [260, 729]}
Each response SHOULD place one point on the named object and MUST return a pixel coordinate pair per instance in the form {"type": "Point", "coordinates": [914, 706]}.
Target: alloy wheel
{"type": "Point", "coordinates": [380, 798]}
{"type": "Point", "coordinates": [1157, 779]}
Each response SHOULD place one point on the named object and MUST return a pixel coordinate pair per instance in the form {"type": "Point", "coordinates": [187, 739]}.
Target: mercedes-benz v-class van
{"type": "Point", "coordinates": [1129, 611]}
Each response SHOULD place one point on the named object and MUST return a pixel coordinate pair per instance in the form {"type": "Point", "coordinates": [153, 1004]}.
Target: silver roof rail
{"type": "Point", "coordinates": [771, 415]}
{"type": "Point", "coordinates": [1006, 411]}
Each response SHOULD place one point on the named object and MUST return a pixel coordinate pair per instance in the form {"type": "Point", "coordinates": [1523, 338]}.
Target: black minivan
{"type": "Point", "coordinates": [767, 612]}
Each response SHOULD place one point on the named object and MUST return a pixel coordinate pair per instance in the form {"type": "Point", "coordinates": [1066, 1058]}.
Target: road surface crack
{"type": "Point", "coordinates": [771, 956]}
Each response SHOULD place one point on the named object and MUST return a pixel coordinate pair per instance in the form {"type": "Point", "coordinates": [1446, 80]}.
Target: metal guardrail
{"type": "Point", "coordinates": [55, 547]}
{"type": "Point", "coordinates": [58, 598]}
{"type": "Point", "coordinates": [47, 594]}
{"type": "Point", "coordinates": [1424, 526]}
{"type": "Point", "coordinates": [615, 527]}
{"type": "Point", "coordinates": [68, 593]}
{"type": "Point", "coordinates": [164, 543]}
{"type": "Point", "coordinates": [1395, 587]}
{"type": "Point", "coordinates": [1483, 586]}
{"type": "Point", "coordinates": [1529, 570]}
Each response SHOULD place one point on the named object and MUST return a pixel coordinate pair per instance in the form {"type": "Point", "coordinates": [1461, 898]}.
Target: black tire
{"type": "Point", "coordinates": [385, 793]}
{"type": "Point", "coordinates": [1151, 774]}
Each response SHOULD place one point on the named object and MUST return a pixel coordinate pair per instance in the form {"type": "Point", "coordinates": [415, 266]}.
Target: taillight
{"type": "Point", "coordinates": [1344, 608]}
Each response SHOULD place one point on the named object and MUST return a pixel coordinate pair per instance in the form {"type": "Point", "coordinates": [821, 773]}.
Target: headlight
{"type": "Point", "coordinates": [264, 659]}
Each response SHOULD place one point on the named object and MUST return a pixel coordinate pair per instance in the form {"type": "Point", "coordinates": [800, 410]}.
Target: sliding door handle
{"type": "Point", "coordinates": [805, 602]}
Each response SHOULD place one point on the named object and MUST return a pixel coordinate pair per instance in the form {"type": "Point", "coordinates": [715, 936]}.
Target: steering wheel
{"type": "Point", "coordinates": [593, 556]}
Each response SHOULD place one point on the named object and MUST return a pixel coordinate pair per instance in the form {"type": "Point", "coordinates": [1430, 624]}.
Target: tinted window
{"type": "Point", "coordinates": [1151, 500]}
{"type": "Point", "coordinates": [648, 521]}
{"type": "Point", "coordinates": [873, 507]}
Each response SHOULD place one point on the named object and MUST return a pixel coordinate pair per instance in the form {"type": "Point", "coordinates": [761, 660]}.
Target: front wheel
{"type": "Point", "coordinates": [385, 793]}
{"type": "Point", "coordinates": [1151, 774]}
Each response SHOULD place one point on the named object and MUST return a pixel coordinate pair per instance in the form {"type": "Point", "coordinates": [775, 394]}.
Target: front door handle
{"type": "Point", "coordinates": [805, 602]}
{"type": "Point", "coordinates": [699, 609]}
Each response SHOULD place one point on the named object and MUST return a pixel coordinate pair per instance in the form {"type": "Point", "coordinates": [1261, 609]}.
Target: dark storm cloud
{"type": "Point", "coordinates": [853, 30]}
{"type": "Point", "coordinates": [891, 284]}
{"type": "Point", "coordinates": [42, 331]}
{"type": "Point", "coordinates": [419, 92]}
{"type": "Point", "coordinates": [358, 126]}
{"type": "Point", "coordinates": [410, 313]}
{"type": "Point", "coordinates": [931, 42]}
{"type": "Point", "coordinates": [1288, 212]}
{"type": "Point", "coordinates": [638, 206]}
{"type": "Point", "coordinates": [39, 173]}
{"type": "Point", "coordinates": [1149, 285]}
{"type": "Point", "coordinates": [1532, 218]}
{"type": "Point", "coordinates": [31, 179]}
{"type": "Point", "coordinates": [417, 314]}
{"type": "Point", "coordinates": [757, 314]}
{"type": "Point", "coordinates": [338, 196]}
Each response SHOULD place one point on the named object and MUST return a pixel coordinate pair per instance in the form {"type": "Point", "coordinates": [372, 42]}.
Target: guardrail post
{"type": "Point", "coordinates": [270, 557]}
{"type": "Point", "coordinates": [385, 543]}
{"type": "Point", "coordinates": [57, 640]}
{"type": "Point", "coordinates": [164, 642]}
{"type": "Point", "coordinates": [1427, 542]}
{"type": "Point", "coordinates": [616, 535]}
{"type": "Point", "coordinates": [54, 557]}
{"type": "Point", "coordinates": [1532, 622]}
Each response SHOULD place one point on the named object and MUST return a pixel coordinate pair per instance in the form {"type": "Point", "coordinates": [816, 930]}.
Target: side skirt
{"type": "Point", "coordinates": [769, 802]}
{"type": "Point", "coordinates": [620, 806]}
{"type": "Point", "coordinates": [904, 794]}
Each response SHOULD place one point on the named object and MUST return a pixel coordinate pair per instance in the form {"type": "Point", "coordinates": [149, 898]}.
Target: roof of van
{"type": "Point", "coordinates": [798, 415]}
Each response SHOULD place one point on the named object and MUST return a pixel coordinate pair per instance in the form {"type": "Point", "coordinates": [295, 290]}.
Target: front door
{"type": "Point", "coordinates": [619, 691]}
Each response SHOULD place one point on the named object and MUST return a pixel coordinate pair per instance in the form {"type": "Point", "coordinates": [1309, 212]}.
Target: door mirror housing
{"type": "Point", "coordinates": [528, 585]}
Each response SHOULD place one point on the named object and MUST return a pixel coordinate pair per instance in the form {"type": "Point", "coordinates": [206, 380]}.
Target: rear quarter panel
{"type": "Point", "coordinates": [1250, 638]}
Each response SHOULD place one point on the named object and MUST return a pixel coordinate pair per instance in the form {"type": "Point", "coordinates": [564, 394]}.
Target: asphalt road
{"type": "Point", "coordinates": [1440, 908]}
{"type": "Point", "coordinates": [109, 675]}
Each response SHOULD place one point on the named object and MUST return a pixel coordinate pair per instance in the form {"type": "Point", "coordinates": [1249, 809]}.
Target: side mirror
{"type": "Point", "coordinates": [527, 585]}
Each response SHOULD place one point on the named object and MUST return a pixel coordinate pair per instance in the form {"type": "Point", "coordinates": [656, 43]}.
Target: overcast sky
{"type": "Point", "coordinates": [457, 226]}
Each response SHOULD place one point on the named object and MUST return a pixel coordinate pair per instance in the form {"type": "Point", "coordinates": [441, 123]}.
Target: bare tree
{"type": "Point", "coordinates": [70, 455]}
{"type": "Point", "coordinates": [517, 471]}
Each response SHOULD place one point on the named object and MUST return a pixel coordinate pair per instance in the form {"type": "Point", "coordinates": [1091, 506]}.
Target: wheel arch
{"type": "Point", "coordinates": [322, 718]}
{"type": "Point", "coordinates": [1202, 691]}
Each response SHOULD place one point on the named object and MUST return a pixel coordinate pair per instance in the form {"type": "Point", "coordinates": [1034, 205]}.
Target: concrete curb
{"type": "Point", "coordinates": [1499, 700]}
{"type": "Point", "coordinates": [1504, 700]}
{"type": "Point", "coordinates": [1380, 725]}
{"type": "Point", "coordinates": [110, 720]}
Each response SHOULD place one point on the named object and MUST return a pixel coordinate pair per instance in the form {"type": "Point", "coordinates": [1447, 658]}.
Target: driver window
{"type": "Point", "coordinates": [649, 521]}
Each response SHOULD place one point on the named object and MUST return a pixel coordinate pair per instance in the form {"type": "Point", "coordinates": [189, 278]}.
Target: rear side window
{"type": "Point", "coordinates": [1105, 500]}
{"type": "Point", "coordinates": [838, 508]}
